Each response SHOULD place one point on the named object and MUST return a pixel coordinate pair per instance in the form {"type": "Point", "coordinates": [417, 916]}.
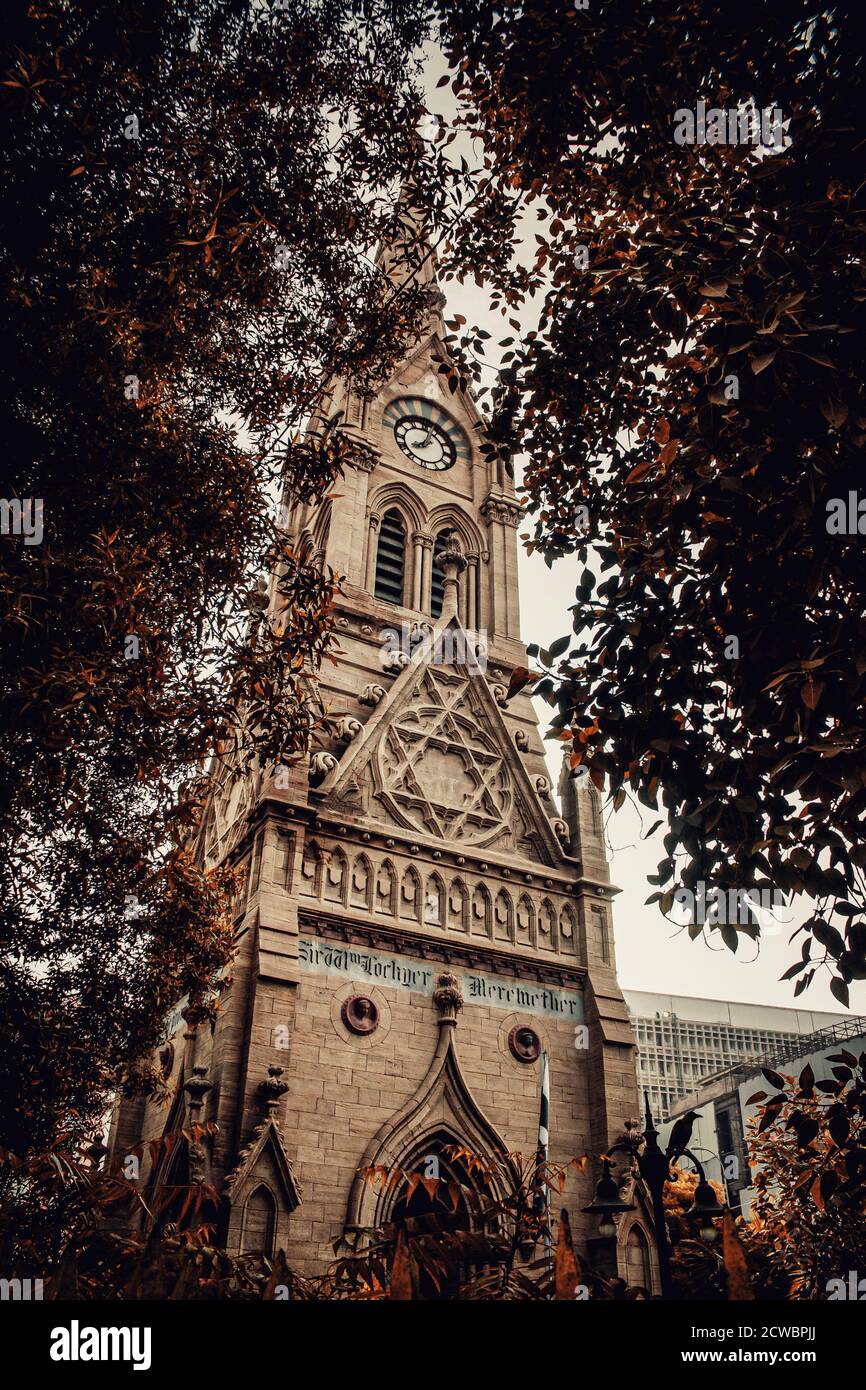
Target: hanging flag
{"type": "Point", "coordinates": [540, 1201]}
{"type": "Point", "coordinates": [542, 1195]}
{"type": "Point", "coordinates": [544, 1114]}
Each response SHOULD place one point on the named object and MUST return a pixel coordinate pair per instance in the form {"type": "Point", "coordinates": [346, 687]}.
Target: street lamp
{"type": "Point", "coordinates": [706, 1207]}
{"type": "Point", "coordinates": [654, 1168]}
{"type": "Point", "coordinates": [607, 1202]}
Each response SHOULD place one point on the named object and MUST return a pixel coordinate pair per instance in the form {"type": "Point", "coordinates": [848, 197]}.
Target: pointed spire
{"type": "Point", "coordinates": [409, 257]}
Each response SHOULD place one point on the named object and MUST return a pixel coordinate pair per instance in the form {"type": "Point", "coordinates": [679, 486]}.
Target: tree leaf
{"type": "Point", "coordinates": [761, 361]}
{"type": "Point", "coordinates": [520, 677]}
{"type": "Point", "coordinates": [810, 693]}
{"type": "Point", "coordinates": [566, 1273]}
{"type": "Point", "coordinates": [774, 1078]}
{"type": "Point", "coordinates": [839, 990]}
{"type": "Point", "coordinates": [640, 471]}
{"type": "Point", "coordinates": [839, 1128]}
{"type": "Point", "coordinates": [737, 1278]}
{"type": "Point", "coordinates": [402, 1270]}
{"type": "Point", "coordinates": [834, 412]}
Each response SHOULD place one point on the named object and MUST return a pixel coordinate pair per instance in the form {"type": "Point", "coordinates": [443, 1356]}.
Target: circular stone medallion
{"type": "Point", "coordinates": [525, 1044]}
{"type": "Point", "coordinates": [360, 1014]}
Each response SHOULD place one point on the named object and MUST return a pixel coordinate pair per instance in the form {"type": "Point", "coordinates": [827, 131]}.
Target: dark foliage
{"type": "Point", "coordinates": [691, 403]}
{"type": "Point", "coordinates": [191, 193]}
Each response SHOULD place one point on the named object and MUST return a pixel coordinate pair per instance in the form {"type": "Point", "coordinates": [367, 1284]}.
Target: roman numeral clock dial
{"type": "Point", "coordinates": [426, 434]}
{"type": "Point", "coordinates": [425, 443]}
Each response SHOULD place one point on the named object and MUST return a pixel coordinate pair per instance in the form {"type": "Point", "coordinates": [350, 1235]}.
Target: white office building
{"type": "Point", "coordinates": [720, 1133]}
{"type": "Point", "coordinates": [682, 1040]}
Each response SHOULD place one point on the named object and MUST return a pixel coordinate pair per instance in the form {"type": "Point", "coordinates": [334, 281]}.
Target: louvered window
{"type": "Point", "coordinates": [391, 558]}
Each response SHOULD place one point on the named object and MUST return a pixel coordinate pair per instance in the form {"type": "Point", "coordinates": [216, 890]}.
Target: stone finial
{"type": "Point", "coordinates": [447, 997]}
{"type": "Point", "coordinates": [449, 551]}
{"type": "Point", "coordinates": [257, 598]}
{"type": "Point", "coordinates": [273, 1089]}
{"type": "Point", "coordinates": [197, 1088]}
{"type": "Point", "coordinates": [256, 603]}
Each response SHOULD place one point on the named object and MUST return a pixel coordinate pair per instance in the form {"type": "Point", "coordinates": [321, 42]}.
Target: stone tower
{"type": "Point", "coordinates": [420, 919]}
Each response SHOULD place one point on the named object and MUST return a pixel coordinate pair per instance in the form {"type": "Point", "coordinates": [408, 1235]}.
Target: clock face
{"type": "Point", "coordinates": [425, 442]}
{"type": "Point", "coordinates": [426, 433]}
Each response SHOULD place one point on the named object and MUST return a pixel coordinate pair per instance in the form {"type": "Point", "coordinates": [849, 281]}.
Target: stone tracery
{"type": "Point", "coordinates": [439, 771]}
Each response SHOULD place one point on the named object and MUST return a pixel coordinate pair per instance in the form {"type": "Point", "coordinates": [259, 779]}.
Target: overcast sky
{"type": "Point", "coordinates": [651, 953]}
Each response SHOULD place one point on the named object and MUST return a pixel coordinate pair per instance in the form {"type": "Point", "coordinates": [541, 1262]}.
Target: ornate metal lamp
{"type": "Point", "coordinates": [607, 1203]}
{"type": "Point", "coordinates": [706, 1207]}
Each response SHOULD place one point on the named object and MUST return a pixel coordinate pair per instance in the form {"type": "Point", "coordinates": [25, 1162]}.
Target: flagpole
{"type": "Point", "coordinates": [543, 1144]}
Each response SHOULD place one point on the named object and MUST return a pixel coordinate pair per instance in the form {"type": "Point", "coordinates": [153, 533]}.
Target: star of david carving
{"type": "Point", "coordinates": [440, 769]}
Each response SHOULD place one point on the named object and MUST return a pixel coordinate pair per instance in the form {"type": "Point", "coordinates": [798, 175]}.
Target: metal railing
{"type": "Point", "coordinates": [789, 1052]}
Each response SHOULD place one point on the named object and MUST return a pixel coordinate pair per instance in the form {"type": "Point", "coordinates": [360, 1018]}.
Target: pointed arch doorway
{"type": "Point", "coordinates": [458, 1203]}
{"type": "Point", "coordinates": [420, 1140]}
{"type": "Point", "coordinates": [452, 1205]}
{"type": "Point", "coordinates": [441, 1115]}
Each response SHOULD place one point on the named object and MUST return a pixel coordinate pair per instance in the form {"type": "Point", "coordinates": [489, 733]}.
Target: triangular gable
{"type": "Point", "coordinates": [436, 759]}
{"type": "Point", "coordinates": [434, 347]}
{"type": "Point", "coordinates": [266, 1144]}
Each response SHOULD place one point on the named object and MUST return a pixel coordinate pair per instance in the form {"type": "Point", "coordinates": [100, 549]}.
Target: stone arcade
{"type": "Point", "coordinates": [419, 919]}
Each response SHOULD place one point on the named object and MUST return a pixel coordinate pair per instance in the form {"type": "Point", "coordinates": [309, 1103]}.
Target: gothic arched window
{"type": "Point", "coordinates": [638, 1270]}
{"type": "Point", "coordinates": [386, 889]}
{"type": "Point", "coordinates": [458, 907]}
{"type": "Point", "coordinates": [361, 883]}
{"type": "Point", "coordinates": [391, 558]}
{"type": "Point", "coordinates": [481, 911]}
{"type": "Point", "coordinates": [410, 895]}
{"type": "Point", "coordinates": [321, 531]}
{"type": "Point", "coordinates": [259, 1223]}
{"type": "Point", "coordinates": [335, 874]}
